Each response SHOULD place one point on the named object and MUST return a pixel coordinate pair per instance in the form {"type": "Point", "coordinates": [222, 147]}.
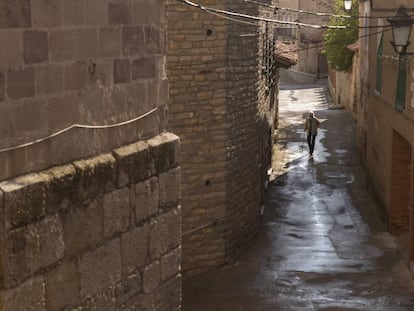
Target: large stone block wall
{"type": "Point", "coordinates": [221, 110]}
{"type": "Point", "coordinates": [64, 62]}
{"type": "Point", "coordinates": [101, 233]}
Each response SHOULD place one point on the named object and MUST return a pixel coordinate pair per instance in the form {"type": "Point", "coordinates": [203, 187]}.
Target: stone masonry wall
{"type": "Point", "coordinates": [251, 113]}
{"type": "Point", "coordinates": [92, 62]}
{"type": "Point", "coordinates": [197, 58]}
{"type": "Point", "coordinates": [218, 108]}
{"type": "Point", "coordinates": [97, 234]}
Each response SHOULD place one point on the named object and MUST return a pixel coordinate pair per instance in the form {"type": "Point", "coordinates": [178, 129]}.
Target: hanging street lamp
{"type": "Point", "coordinates": [401, 30]}
{"type": "Point", "coordinates": [348, 4]}
{"type": "Point", "coordinates": [401, 25]}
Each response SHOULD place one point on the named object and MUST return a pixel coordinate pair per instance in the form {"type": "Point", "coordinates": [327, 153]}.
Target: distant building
{"type": "Point", "coordinates": [308, 41]}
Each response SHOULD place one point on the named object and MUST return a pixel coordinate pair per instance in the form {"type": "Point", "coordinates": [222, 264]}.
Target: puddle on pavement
{"type": "Point", "coordinates": [337, 178]}
{"type": "Point", "coordinates": [335, 182]}
{"type": "Point", "coordinates": [321, 155]}
{"type": "Point", "coordinates": [334, 175]}
{"type": "Point", "coordinates": [341, 151]}
{"type": "Point", "coordinates": [296, 149]}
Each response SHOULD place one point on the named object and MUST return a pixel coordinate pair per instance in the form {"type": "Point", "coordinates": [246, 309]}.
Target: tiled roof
{"type": "Point", "coordinates": [285, 55]}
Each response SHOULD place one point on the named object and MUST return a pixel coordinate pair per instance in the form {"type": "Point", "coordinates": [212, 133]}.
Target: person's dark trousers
{"type": "Point", "coordinates": [311, 142]}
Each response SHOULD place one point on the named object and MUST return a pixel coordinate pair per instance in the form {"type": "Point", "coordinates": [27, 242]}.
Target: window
{"type": "Point", "coordinates": [412, 89]}
{"type": "Point", "coordinates": [401, 83]}
{"type": "Point", "coordinates": [378, 84]}
{"type": "Point", "coordinates": [286, 30]}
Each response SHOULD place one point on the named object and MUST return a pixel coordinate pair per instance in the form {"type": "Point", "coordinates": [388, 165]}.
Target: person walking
{"type": "Point", "coordinates": [311, 129]}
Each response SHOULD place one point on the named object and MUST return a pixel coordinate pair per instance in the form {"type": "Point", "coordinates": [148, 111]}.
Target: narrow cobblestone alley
{"type": "Point", "coordinates": [322, 245]}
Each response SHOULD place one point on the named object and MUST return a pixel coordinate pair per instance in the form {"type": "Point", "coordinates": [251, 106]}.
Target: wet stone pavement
{"type": "Point", "coordinates": [323, 244]}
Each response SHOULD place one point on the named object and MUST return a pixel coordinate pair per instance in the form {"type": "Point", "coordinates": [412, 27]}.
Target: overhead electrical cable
{"type": "Point", "coordinates": [297, 11]}
{"type": "Point", "coordinates": [233, 19]}
{"type": "Point", "coordinates": [265, 19]}
{"type": "Point", "coordinates": [223, 14]}
{"type": "Point", "coordinates": [334, 43]}
{"type": "Point", "coordinates": [220, 62]}
{"type": "Point", "coordinates": [271, 20]}
{"type": "Point", "coordinates": [276, 8]}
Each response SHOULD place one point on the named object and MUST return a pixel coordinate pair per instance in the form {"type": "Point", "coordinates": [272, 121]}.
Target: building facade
{"type": "Point", "coordinates": [350, 89]}
{"type": "Point", "coordinates": [308, 41]}
{"type": "Point", "coordinates": [90, 180]}
{"type": "Point", "coordinates": [344, 86]}
{"type": "Point", "coordinates": [223, 95]}
{"type": "Point", "coordinates": [390, 115]}
{"type": "Point", "coordinates": [364, 83]}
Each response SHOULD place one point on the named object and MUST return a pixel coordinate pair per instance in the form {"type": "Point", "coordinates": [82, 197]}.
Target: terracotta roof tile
{"type": "Point", "coordinates": [285, 55]}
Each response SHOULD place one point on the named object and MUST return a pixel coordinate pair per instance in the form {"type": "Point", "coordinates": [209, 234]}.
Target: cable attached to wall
{"type": "Point", "coordinates": [80, 126]}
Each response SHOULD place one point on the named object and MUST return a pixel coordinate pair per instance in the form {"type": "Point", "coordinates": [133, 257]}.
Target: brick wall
{"type": "Point", "coordinates": [91, 62]}
{"type": "Point", "coordinates": [400, 194]}
{"type": "Point", "coordinates": [411, 215]}
{"type": "Point", "coordinates": [220, 108]}
{"type": "Point", "coordinates": [97, 234]}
